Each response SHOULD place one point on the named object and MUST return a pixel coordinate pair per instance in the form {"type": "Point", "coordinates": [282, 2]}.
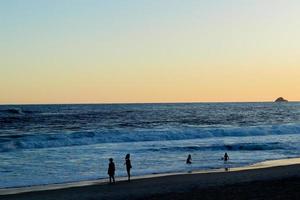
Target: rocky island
{"type": "Point", "coordinates": [281, 99]}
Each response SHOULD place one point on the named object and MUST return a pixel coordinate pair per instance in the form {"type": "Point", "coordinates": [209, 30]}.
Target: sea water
{"type": "Point", "coordinates": [44, 144]}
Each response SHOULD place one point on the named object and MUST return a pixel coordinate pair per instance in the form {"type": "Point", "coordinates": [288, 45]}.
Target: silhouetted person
{"type": "Point", "coordinates": [226, 157]}
{"type": "Point", "coordinates": [111, 170]}
{"type": "Point", "coordinates": [128, 165]}
{"type": "Point", "coordinates": [189, 159]}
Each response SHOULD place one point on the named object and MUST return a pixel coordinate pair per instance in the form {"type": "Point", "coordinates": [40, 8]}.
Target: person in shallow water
{"type": "Point", "coordinates": [226, 157]}
{"type": "Point", "coordinates": [189, 159]}
{"type": "Point", "coordinates": [128, 165]}
{"type": "Point", "coordinates": [111, 170]}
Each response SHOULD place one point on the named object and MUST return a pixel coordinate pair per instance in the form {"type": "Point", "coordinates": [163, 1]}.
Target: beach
{"type": "Point", "coordinates": [149, 100]}
{"type": "Point", "coordinates": [279, 179]}
{"type": "Point", "coordinates": [58, 144]}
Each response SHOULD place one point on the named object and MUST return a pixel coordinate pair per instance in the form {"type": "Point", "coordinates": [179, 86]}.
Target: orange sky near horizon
{"type": "Point", "coordinates": [148, 51]}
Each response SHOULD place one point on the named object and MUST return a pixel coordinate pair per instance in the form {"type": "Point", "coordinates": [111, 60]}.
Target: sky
{"type": "Point", "coordinates": [134, 51]}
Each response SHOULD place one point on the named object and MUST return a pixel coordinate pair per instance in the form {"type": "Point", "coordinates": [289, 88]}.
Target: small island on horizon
{"type": "Point", "coordinates": [281, 99]}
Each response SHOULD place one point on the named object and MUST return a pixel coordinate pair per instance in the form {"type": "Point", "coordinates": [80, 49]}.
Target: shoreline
{"type": "Point", "coordinates": [265, 165]}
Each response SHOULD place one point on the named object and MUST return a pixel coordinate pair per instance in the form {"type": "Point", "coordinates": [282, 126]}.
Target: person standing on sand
{"type": "Point", "coordinates": [111, 170]}
{"type": "Point", "coordinates": [189, 159]}
{"type": "Point", "coordinates": [128, 165]}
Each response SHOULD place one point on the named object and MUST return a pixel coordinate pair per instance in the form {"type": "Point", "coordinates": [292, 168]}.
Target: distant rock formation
{"type": "Point", "coordinates": [281, 99]}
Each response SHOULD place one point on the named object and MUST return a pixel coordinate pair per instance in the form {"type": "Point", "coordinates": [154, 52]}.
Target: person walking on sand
{"type": "Point", "coordinates": [189, 159]}
{"type": "Point", "coordinates": [128, 165]}
{"type": "Point", "coordinates": [111, 170]}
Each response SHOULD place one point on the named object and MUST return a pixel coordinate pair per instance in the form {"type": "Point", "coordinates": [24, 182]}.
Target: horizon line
{"type": "Point", "coordinates": [131, 103]}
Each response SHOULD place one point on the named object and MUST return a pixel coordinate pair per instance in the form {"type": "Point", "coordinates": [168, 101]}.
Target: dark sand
{"type": "Point", "coordinates": [281, 189]}
{"type": "Point", "coordinates": [264, 182]}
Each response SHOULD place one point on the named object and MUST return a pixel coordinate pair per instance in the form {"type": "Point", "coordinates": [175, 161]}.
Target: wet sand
{"type": "Point", "coordinates": [268, 180]}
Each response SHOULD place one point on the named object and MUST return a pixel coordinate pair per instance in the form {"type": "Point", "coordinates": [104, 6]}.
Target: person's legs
{"type": "Point", "coordinates": [128, 174]}
{"type": "Point", "coordinates": [109, 178]}
{"type": "Point", "coordinates": [113, 177]}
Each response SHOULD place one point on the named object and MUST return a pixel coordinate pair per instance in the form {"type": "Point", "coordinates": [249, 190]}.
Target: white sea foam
{"type": "Point", "coordinates": [87, 138]}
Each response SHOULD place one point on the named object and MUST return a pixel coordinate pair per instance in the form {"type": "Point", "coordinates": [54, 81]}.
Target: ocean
{"type": "Point", "coordinates": [45, 144]}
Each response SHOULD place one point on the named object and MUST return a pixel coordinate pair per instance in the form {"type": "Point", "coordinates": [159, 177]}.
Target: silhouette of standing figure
{"type": "Point", "coordinates": [111, 170]}
{"type": "Point", "coordinates": [128, 165]}
{"type": "Point", "coordinates": [189, 159]}
{"type": "Point", "coordinates": [226, 157]}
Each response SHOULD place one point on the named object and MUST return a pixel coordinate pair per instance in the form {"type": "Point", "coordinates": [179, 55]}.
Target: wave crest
{"type": "Point", "coordinates": [13, 142]}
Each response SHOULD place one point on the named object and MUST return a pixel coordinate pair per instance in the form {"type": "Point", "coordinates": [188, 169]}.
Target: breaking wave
{"type": "Point", "coordinates": [16, 142]}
